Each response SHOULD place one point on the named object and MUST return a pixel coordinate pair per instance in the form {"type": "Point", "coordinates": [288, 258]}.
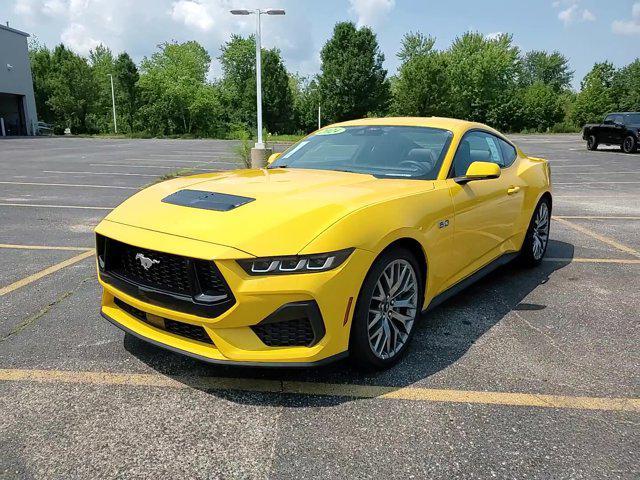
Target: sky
{"type": "Point", "coordinates": [586, 31]}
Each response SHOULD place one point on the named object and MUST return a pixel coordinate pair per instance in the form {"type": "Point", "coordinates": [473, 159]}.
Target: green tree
{"type": "Point", "coordinates": [542, 107]}
{"type": "Point", "coordinates": [422, 86]}
{"type": "Point", "coordinates": [483, 74]}
{"type": "Point", "coordinates": [102, 64]}
{"type": "Point", "coordinates": [596, 97]}
{"type": "Point", "coordinates": [170, 85]}
{"type": "Point", "coordinates": [42, 71]}
{"type": "Point", "coordinates": [306, 101]}
{"type": "Point", "coordinates": [126, 77]}
{"type": "Point", "coordinates": [353, 82]}
{"type": "Point", "coordinates": [550, 69]}
{"type": "Point", "coordinates": [72, 90]}
{"type": "Point", "coordinates": [239, 85]}
{"type": "Point", "coordinates": [626, 87]}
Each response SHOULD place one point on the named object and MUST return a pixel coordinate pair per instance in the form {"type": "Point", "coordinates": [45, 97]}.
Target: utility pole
{"type": "Point", "coordinates": [259, 153]}
{"type": "Point", "coordinates": [113, 101]}
{"type": "Point", "coordinates": [319, 122]}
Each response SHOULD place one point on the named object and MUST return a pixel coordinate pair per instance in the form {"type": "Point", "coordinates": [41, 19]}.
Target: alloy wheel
{"type": "Point", "coordinates": [540, 231]}
{"type": "Point", "coordinates": [393, 308]}
{"type": "Point", "coordinates": [628, 145]}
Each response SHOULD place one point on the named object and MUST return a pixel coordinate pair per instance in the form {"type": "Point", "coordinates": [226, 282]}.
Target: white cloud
{"type": "Point", "coordinates": [587, 16]}
{"type": "Point", "coordinates": [371, 12]}
{"type": "Point", "coordinates": [76, 37]}
{"type": "Point", "coordinates": [628, 27]}
{"type": "Point", "coordinates": [494, 35]}
{"type": "Point", "coordinates": [192, 14]}
{"type": "Point", "coordinates": [573, 12]}
{"type": "Point", "coordinates": [138, 26]}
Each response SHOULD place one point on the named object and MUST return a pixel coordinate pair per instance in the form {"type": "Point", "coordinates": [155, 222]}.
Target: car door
{"type": "Point", "coordinates": [606, 130]}
{"type": "Point", "coordinates": [485, 211]}
{"type": "Point", "coordinates": [617, 130]}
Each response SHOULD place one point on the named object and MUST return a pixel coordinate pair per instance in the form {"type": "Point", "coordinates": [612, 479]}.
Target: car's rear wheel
{"type": "Point", "coordinates": [387, 310]}
{"type": "Point", "coordinates": [537, 238]}
{"type": "Point", "coordinates": [629, 144]}
{"type": "Point", "coordinates": [592, 142]}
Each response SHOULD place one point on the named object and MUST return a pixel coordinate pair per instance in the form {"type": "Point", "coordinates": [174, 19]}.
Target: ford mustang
{"type": "Point", "coordinates": [336, 248]}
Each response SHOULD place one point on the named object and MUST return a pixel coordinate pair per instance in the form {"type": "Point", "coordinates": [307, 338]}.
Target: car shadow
{"type": "Point", "coordinates": [443, 336]}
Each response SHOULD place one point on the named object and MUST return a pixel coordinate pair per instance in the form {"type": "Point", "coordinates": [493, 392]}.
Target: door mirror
{"type": "Point", "coordinates": [479, 171]}
{"type": "Point", "coordinates": [273, 157]}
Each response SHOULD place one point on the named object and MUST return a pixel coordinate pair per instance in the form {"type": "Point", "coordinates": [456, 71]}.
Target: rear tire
{"type": "Point", "coordinates": [629, 144]}
{"type": "Point", "coordinates": [537, 238]}
{"type": "Point", "coordinates": [387, 310]}
{"type": "Point", "coordinates": [592, 142]}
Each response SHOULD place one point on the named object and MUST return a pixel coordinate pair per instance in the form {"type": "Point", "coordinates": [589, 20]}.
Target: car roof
{"type": "Point", "coordinates": [453, 124]}
{"type": "Point", "coordinates": [622, 113]}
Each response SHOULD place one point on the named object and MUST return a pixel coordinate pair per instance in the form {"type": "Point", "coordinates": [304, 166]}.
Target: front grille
{"type": "Point", "coordinates": [193, 332]}
{"type": "Point", "coordinates": [289, 333]}
{"type": "Point", "coordinates": [181, 283]}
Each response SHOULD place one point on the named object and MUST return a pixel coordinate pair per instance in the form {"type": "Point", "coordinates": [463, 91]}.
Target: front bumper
{"type": "Point", "coordinates": [257, 299]}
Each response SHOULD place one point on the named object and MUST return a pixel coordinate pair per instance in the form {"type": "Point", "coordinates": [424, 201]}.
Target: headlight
{"type": "Point", "coordinates": [319, 262]}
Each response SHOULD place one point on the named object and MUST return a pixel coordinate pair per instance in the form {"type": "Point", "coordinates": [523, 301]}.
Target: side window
{"type": "Point", "coordinates": [618, 119]}
{"type": "Point", "coordinates": [608, 119]}
{"type": "Point", "coordinates": [509, 152]}
{"type": "Point", "coordinates": [477, 147]}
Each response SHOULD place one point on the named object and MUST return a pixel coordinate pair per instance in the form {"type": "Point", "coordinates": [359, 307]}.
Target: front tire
{"type": "Point", "coordinates": [629, 144]}
{"type": "Point", "coordinates": [592, 142]}
{"type": "Point", "coordinates": [537, 238]}
{"type": "Point", "coordinates": [387, 310]}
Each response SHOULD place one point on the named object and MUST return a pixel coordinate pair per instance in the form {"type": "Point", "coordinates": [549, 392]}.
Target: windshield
{"type": "Point", "coordinates": [633, 119]}
{"type": "Point", "coordinates": [383, 151]}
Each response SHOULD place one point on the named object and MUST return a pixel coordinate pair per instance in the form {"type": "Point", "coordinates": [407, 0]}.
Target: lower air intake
{"type": "Point", "coordinates": [297, 324]}
{"type": "Point", "coordinates": [193, 332]}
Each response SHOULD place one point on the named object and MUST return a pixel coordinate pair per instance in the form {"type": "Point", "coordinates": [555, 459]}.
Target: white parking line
{"type": "Point", "coordinates": [68, 185]}
{"type": "Point", "coordinates": [597, 173]}
{"type": "Point", "coordinates": [103, 173]}
{"type": "Point", "coordinates": [149, 166]}
{"type": "Point", "coordinates": [201, 162]}
{"type": "Point", "coordinates": [35, 205]}
{"type": "Point", "coordinates": [593, 183]}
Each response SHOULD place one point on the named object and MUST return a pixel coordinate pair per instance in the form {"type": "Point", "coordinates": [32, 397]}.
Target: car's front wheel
{"type": "Point", "coordinates": [387, 310]}
{"type": "Point", "coordinates": [537, 238]}
{"type": "Point", "coordinates": [629, 144]}
{"type": "Point", "coordinates": [592, 142]}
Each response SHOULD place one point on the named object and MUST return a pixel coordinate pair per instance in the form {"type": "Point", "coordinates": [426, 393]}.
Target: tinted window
{"type": "Point", "coordinates": [509, 152]}
{"type": "Point", "coordinates": [633, 119]}
{"type": "Point", "coordinates": [618, 119]}
{"type": "Point", "coordinates": [386, 151]}
{"type": "Point", "coordinates": [477, 147]}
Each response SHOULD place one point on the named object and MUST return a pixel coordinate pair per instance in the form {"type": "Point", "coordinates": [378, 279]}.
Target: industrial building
{"type": "Point", "coordinates": [17, 102]}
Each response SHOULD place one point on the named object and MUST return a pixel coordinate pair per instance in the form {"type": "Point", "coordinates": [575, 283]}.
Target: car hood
{"type": "Point", "coordinates": [289, 207]}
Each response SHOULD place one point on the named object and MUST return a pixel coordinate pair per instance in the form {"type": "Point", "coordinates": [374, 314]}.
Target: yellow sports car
{"type": "Point", "coordinates": [334, 249]}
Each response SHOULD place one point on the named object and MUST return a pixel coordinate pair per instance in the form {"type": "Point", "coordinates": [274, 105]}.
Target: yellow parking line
{"type": "Point", "coordinates": [416, 394]}
{"type": "Point", "coordinates": [44, 247]}
{"type": "Point", "coordinates": [597, 236]}
{"type": "Point", "coordinates": [622, 261]}
{"type": "Point", "coordinates": [45, 272]}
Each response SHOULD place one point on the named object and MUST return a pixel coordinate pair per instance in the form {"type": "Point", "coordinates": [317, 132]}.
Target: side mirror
{"type": "Point", "coordinates": [479, 171]}
{"type": "Point", "coordinates": [273, 157]}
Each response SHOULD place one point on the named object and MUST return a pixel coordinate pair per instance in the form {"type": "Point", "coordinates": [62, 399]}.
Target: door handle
{"type": "Point", "coordinates": [512, 190]}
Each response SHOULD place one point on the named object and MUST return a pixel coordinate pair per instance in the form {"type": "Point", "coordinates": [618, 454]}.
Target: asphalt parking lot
{"type": "Point", "coordinates": [528, 374]}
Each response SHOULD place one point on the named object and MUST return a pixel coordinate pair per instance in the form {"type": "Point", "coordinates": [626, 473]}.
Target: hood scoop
{"type": "Point", "coordinates": [220, 202]}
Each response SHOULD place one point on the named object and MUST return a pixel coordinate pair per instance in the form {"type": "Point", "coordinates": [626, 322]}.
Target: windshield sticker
{"type": "Point", "coordinates": [331, 131]}
{"type": "Point", "coordinates": [295, 149]}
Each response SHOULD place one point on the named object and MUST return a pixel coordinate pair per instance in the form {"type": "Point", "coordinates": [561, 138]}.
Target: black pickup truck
{"type": "Point", "coordinates": [617, 129]}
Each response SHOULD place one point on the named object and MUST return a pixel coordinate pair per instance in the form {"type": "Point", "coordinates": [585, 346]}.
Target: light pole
{"type": "Point", "coordinates": [258, 12]}
{"type": "Point", "coordinates": [113, 102]}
